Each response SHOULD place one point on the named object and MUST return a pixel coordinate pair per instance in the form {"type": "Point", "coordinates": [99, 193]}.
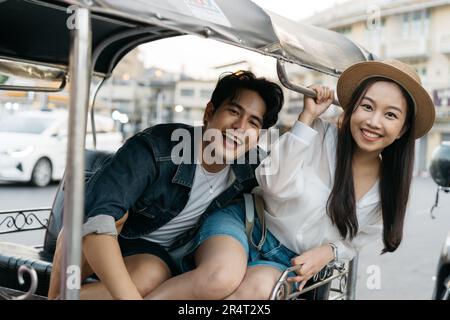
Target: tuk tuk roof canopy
{"type": "Point", "coordinates": [38, 31]}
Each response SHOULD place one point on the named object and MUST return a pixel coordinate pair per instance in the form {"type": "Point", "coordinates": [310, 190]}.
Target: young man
{"type": "Point", "coordinates": [144, 206]}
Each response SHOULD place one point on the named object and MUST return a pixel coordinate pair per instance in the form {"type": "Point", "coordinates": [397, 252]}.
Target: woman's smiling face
{"type": "Point", "coordinates": [378, 120]}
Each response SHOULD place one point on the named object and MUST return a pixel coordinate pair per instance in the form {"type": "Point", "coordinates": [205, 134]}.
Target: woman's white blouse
{"type": "Point", "coordinates": [296, 180]}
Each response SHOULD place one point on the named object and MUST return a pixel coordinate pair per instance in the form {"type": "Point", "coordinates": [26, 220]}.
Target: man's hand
{"type": "Point", "coordinates": [312, 262]}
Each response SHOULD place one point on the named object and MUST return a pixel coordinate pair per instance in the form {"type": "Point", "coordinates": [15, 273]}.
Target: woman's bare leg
{"type": "Point", "coordinates": [257, 284]}
{"type": "Point", "coordinates": [221, 264]}
{"type": "Point", "coordinates": [146, 271]}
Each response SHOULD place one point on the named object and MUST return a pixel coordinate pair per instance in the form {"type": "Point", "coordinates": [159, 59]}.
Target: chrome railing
{"type": "Point", "coordinates": [344, 273]}
{"type": "Point", "coordinates": [23, 269]}
{"type": "Point", "coordinates": [24, 220]}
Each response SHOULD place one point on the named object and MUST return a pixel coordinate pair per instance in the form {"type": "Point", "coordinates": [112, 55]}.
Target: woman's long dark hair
{"type": "Point", "coordinates": [395, 176]}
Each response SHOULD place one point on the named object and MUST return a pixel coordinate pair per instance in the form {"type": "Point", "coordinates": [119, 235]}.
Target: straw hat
{"type": "Point", "coordinates": [397, 71]}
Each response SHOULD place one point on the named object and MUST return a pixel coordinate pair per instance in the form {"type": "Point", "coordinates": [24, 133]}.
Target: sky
{"type": "Point", "coordinates": [199, 57]}
{"type": "Point", "coordinates": [296, 9]}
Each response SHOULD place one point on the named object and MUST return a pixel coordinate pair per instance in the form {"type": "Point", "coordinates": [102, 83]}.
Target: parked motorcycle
{"type": "Point", "coordinates": [440, 172]}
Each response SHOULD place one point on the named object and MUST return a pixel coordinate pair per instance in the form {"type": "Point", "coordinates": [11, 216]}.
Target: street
{"type": "Point", "coordinates": [405, 274]}
{"type": "Point", "coordinates": [408, 272]}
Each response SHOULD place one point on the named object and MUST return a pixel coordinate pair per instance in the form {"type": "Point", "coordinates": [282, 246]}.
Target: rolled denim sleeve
{"type": "Point", "coordinates": [101, 224]}
{"type": "Point", "coordinates": [114, 188]}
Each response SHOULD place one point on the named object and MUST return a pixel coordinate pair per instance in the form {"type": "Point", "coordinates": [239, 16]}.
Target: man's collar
{"type": "Point", "coordinates": [186, 172]}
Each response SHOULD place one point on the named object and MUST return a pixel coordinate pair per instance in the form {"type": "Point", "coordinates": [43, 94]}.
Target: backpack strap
{"type": "Point", "coordinates": [253, 201]}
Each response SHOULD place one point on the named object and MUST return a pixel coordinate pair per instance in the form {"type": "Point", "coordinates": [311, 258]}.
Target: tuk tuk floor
{"type": "Point", "coordinates": [13, 294]}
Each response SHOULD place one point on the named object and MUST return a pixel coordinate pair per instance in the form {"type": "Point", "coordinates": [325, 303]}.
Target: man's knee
{"type": "Point", "coordinates": [257, 287]}
{"type": "Point", "coordinates": [217, 282]}
{"type": "Point", "coordinates": [260, 290]}
{"type": "Point", "coordinates": [147, 272]}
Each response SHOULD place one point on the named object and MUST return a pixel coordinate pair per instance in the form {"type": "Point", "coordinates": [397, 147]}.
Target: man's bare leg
{"type": "Point", "coordinates": [221, 264]}
{"type": "Point", "coordinates": [257, 284]}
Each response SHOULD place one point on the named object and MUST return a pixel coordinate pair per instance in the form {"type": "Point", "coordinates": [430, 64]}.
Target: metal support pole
{"type": "Point", "coordinates": [80, 75]}
{"type": "Point", "coordinates": [282, 76]}
{"type": "Point", "coordinates": [159, 106]}
{"type": "Point", "coordinates": [352, 276]}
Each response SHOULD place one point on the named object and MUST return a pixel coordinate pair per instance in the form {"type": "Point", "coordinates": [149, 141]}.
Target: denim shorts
{"type": "Point", "coordinates": [230, 221]}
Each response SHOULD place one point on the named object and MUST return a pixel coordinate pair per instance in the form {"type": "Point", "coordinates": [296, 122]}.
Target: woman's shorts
{"type": "Point", "coordinates": [230, 221]}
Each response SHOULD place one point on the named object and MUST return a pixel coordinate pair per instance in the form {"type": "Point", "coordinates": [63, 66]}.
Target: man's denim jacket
{"type": "Point", "coordinates": [143, 179]}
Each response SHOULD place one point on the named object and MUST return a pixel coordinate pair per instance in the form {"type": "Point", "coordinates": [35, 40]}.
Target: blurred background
{"type": "Point", "coordinates": [171, 80]}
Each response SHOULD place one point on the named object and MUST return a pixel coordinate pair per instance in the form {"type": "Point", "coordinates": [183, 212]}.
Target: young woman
{"type": "Point", "coordinates": [329, 190]}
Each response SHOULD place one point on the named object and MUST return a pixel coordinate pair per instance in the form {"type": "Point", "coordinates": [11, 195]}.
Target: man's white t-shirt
{"type": "Point", "coordinates": [205, 187]}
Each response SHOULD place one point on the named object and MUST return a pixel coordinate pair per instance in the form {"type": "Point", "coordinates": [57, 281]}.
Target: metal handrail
{"type": "Point", "coordinates": [347, 285]}
{"type": "Point", "coordinates": [316, 285]}
{"type": "Point", "coordinates": [28, 217]}
{"type": "Point", "coordinates": [35, 89]}
{"type": "Point", "coordinates": [284, 79]}
{"type": "Point", "coordinates": [33, 285]}
{"type": "Point", "coordinates": [283, 287]}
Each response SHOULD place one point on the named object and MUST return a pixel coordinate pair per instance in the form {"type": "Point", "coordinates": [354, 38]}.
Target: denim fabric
{"type": "Point", "coordinates": [231, 221]}
{"type": "Point", "coordinates": [141, 178]}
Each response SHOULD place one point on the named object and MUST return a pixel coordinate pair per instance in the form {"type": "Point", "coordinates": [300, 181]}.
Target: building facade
{"type": "Point", "coordinates": [191, 98]}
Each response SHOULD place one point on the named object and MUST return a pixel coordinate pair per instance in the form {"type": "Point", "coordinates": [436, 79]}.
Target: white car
{"type": "Point", "coordinates": [33, 145]}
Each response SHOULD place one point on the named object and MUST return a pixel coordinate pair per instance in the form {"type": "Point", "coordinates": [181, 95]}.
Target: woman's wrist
{"type": "Point", "coordinates": [334, 252]}
{"type": "Point", "coordinates": [306, 118]}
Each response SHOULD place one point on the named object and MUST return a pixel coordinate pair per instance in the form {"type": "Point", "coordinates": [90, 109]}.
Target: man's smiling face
{"type": "Point", "coordinates": [238, 122]}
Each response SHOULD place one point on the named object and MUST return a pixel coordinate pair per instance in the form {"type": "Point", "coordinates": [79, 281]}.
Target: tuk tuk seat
{"type": "Point", "coordinates": [12, 255]}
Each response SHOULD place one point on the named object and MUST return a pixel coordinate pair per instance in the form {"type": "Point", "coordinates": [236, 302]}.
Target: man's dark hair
{"type": "Point", "coordinates": [230, 86]}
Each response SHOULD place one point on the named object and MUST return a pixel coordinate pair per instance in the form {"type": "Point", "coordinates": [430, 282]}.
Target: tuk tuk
{"type": "Point", "coordinates": [73, 41]}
